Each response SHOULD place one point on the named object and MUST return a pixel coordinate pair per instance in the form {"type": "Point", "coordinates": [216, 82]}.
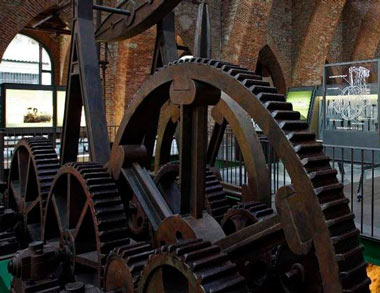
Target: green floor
{"type": "Point", "coordinates": [371, 250]}
{"type": "Point", "coordinates": [5, 277]}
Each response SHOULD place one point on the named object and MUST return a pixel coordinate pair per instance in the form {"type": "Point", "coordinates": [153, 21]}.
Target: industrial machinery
{"type": "Point", "coordinates": [114, 224]}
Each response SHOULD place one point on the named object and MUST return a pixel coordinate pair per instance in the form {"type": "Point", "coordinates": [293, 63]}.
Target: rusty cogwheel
{"type": "Point", "coordinates": [33, 167]}
{"type": "Point", "coordinates": [319, 202]}
{"type": "Point", "coordinates": [244, 214]}
{"type": "Point", "coordinates": [124, 266]}
{"type": "Point", "coordinates": [190, 266]}
{"type": "Point", "coordinates": [85, 214]}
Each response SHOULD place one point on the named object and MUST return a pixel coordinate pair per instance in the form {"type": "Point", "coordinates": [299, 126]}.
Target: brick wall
{"type": "Point", "coordinates": [294, 38]}
{"type": "Point", "coordinates": [15, 16]}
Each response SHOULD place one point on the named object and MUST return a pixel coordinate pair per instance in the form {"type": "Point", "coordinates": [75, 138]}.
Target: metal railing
{"type": "Point", "coordinates": [10, 136]}
{"type": "Point", "coordinates": [358, 169]}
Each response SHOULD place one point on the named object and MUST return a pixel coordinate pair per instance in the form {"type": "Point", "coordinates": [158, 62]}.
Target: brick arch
{"type": "Point", "coordinates": [185, 21]}
{"type": "Point", "coordinates": [12, 23]}
{"type": "Point", "coordinates": [284, 63]}
{"type": "Point", "coordinates": [368, 37]}
{"type": "Point", "coordinates": [314, 48]}
{"type": "Point", "coordinates": [247, 33]}
{"type": "Point", "coordinates": [267, 63]}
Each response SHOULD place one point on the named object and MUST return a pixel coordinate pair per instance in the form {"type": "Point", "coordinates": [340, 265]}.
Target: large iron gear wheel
{"type": "Point", "coordinates": [323, 204]}
{"type": "Point", "coordinates": [33, 167]}
{"type": "Point", "coordinates": [124, 266]}
{"type": "Point", "coordinates": [85, 214]}
{"type": "Point", "coordinates": [191, 266]}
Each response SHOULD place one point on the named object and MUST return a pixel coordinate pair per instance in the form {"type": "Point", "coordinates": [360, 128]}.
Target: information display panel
{"type": "Point", "coordinates": [301, 101]}
{"type": "Point", "coordinates": [350, 106]}
{"type": "Point", "coordinates": [28, 108]}
{"type": "Point", "coordinates": [351, 97]}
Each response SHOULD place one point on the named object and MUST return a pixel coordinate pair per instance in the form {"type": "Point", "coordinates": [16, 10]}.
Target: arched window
{"type": "Point", "coordinates": [26, 61]}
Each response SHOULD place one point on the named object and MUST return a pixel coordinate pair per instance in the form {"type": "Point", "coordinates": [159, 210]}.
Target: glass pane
{"type": "Point", "coordinates": [22, 48]}
{"type": "Point", "coordinates": [28, 108]}
{"type": "Point", "coordinates": [61, 98]}
{"type": "Point", "coordinates": [300, 101]}
{"type": "Point", "coordinates": [20, 63]}
{"type": "Point", "coordinates": [46, 63]}
{"type": "Point", "coordinates": [46, 78]}
{"type": "Point", "coordinates": [351, 97]}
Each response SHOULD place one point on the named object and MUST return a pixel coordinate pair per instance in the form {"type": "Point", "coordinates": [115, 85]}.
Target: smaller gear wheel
{"type": "Point", "coordinates": [243, 215]}
{"type": "Point", "coordinates": [85, 214]}
{"type": "Point", "coordinates": [33, 168]}
{"type": "Point", "coordinates": [190, 266]}
{"type": "Point", "coordinates": [124, 266]}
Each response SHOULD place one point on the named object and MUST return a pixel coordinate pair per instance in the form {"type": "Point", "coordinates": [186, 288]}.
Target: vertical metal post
{"type": "Point", "coordinates": [40, 64]}
{"type": "Point", "coordinates": [54, 115]}
{"type": "Point", "coordinates": [84, 88]}
{"type": "Point", "coordinates": [2, 134]}
{"type": "Point", "coordinates": [324, 101]}
{"type": "Point", "coordinates": [194, 134]}
{"type": "Point", "coordinates": [98, 22]}
{"type": "Point", "coordinates": [378, 97]}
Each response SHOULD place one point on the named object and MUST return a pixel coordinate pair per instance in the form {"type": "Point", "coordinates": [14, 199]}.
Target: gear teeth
{"type": "Point", "coordinates": [299, 137]}
{"type": "Point", "coordinates": [291, 125]}
{"type": "Point", "coordinates": [208, 266]}
{"type": "Point", "coordinates": [44, 163]}
{"type": "Point", "coordinates": [270, 97]}
{"type": "Point", "coordinates": [273, 106]}
{"type": "Point", "coordinates": [316, 163]}
{"type": "Point", "coordinates": [286, 115]}
{"type": "Point", "coordinates": [256, 89]}
{"type": "Point", "coordinates": [247, 77]}
{"type": "Point", "coordinates": [352, 233]}
{"type": "Point", "coordinates": [328, 192]}
{"type": "Point", "coordinates": [135, 256]}
{"type": "Point", "coordinates": [108, 208]}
